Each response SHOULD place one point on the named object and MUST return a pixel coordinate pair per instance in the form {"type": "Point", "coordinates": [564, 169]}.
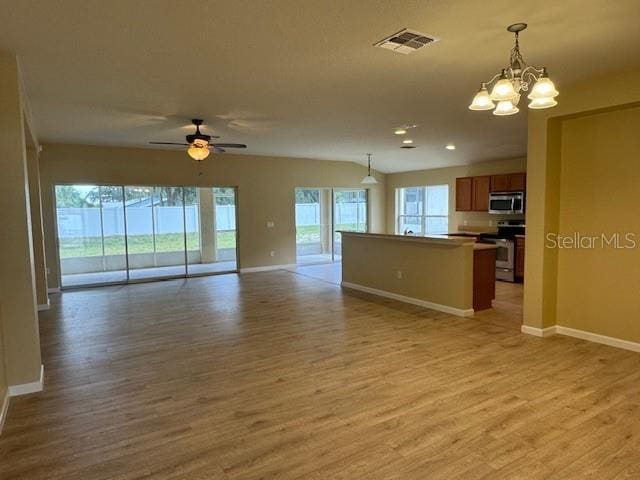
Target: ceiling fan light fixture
{"type": "Point", "coordinates": [197, 151]}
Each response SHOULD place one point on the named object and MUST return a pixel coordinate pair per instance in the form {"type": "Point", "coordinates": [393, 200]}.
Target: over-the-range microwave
{"type": "Point", "coordinates": [506, 202]}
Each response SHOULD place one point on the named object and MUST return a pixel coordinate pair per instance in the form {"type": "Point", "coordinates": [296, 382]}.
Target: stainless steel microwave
{"type": "Point", "coordinates": [506, 202]}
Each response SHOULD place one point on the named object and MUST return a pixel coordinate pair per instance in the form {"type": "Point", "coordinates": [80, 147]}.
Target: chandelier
{"type": "Point", "coordinates": [513, 81]}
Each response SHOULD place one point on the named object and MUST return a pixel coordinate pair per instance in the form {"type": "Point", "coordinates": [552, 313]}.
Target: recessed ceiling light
{"type": "Point", "coordinates": [450, 147]}
{"type": "Point", "coordinates": [407, 141]}
{"type": "Point", "coordinates": [400, 131]}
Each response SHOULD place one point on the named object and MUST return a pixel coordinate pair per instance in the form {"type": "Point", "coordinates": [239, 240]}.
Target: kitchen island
{"type": "Point", "coordinates": [443, 272]}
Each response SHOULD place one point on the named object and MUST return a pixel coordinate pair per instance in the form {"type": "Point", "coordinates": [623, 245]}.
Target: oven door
{"type": "Point", "coordinates": [505, 254]}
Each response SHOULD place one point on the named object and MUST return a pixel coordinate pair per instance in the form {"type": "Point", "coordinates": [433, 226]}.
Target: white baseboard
{"type": "Point", "coordinates": [538, 332]}
{"type": "Point", "coordinates": [583, 335]}
{"type": "Point", "coordinates": [53, 290]}
{"type": "Point", "coordinates": [414, 301]}
{"type": "Point", "coordinates": [4, 410]}
{"type": "Point", "coordinates": [44, 306]}
{"type": "Point", "coordinates": [266, 268]}
{"type": "Point", "coordinates": [27, 388]}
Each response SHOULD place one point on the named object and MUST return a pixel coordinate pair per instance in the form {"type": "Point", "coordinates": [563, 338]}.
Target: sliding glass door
{"type": "Point", "coordinates": [350, 214]}
{"type": "Point", "coordinates": [313, 225]}
{"type": "Point", "coordinates": [320, 214]}
{"type": "Point", "coordinates": [91, 241]}
{"type": "Point", "coordinates": [115, 234]}
{"type": "Point", "coordinates": [155, 232]}
{"type": "Point", "coordinates": [211, 230]}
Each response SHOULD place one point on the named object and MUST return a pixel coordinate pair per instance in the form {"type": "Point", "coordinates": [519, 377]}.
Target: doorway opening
{"type": "Point", "coordinates": [320, 214]}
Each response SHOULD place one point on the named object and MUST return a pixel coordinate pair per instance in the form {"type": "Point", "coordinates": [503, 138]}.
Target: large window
{"type": "Point", "coordinates": [422, 210]}
{"type": "Point", "coordinates": [114, 234]}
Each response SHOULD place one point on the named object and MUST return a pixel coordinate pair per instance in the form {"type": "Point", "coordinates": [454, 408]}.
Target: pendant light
{"type": "Point", "coordinates": [369, 180]}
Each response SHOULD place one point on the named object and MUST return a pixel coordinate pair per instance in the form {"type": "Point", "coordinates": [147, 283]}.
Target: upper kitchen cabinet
{"type": "Point", "coordinates": [508, 182]}
{"type": "Point", "coordinates": [480, 189]}
{"type": "Point", "coordinates": [464, 194]}
{"type": "Point", "coordinates": [472, 193]}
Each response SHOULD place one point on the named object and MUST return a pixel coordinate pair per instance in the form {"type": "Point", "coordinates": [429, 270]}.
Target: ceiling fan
{"type": "Point", "coordinates": [199, 145]}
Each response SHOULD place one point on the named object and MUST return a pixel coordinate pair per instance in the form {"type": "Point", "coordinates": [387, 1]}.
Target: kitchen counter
{"type": "Point", "coordinates": [450, 273]}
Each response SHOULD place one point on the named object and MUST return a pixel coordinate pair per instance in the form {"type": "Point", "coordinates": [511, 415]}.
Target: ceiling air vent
{"type": "Point", "coordinates": [406, 41]}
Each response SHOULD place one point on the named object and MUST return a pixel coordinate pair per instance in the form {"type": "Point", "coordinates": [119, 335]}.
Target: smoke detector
{"type": "Point", "coordinates": [406, 41]}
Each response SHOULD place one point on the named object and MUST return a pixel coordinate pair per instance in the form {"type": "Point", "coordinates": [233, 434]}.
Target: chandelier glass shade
{"type": "Point", "coordinates": [512, 82]}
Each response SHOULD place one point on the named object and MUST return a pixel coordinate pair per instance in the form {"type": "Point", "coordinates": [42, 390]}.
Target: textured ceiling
{"type": "Point", "coordinates": [300, 77]}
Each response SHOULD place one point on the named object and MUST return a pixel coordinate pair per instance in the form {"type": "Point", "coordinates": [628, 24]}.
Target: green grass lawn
{"type": "Point", "coordinates": [167, 242]}
{"type": "Point", "coordinates": [114, 245]}
{"type": "Point", "coordinates": [311, 233]}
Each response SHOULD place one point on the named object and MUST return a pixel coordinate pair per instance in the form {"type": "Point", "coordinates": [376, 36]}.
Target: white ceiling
{"type": "Point", "coordinates": [300, 77]}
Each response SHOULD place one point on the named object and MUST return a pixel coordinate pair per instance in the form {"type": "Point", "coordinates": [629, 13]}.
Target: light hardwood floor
{"type": "Point", "coordinates": [281, 376]}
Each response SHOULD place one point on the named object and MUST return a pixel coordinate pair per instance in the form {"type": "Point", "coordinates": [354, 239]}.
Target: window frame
{"type": "Point", "coordinates": [423, 217]}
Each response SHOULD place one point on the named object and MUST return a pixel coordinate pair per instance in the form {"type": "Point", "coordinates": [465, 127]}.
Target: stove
{"type": "Point", "coordinates": [504, 239]}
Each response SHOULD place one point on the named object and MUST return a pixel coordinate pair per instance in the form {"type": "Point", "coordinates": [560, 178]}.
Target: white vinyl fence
{"type": "Point", "coordinates": [85, 222]}
{"type": "Point", "coordinates": [345, 213]}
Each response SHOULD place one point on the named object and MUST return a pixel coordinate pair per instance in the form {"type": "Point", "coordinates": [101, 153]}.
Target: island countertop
{"type": "Point", "coordinates": [449, 273]}
{"type": "Point", "coordinates": [450, 240]}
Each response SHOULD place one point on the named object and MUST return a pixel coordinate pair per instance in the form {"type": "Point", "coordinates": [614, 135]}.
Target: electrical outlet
{"type": "Point", "coordinates": [270, 224]}
{"type": "Point", "coordinates": [465, 222]}
{"type": "Point", "coordinates": [272, 253]}
{"type": "Point", "coordinates": [399, 274]}
{"type": "Point", "coordinates": [491, 223]}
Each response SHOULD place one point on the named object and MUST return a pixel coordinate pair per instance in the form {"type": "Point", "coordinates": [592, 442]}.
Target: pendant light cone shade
{"type": "Point", "coordinates": [482, 100]}
{"type": "Point", "coordinates": [540, 103]}
{"type": "Point", "coordinates": [503, 89]}
{"type": "Point", "coordinates": [198, 152]}
{"type": "Point", "coordinates": [543, 88]}
{"type": "Point", "coordinates": [506, 107]}
{"type": "Point", "coordinates": [369, 180]}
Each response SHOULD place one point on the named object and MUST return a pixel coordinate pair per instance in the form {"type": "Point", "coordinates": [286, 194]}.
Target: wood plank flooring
{"type": "Point", "coordinates": [282, 376]}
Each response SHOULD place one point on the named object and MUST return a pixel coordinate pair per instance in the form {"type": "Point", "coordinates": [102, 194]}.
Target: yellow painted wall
{"type": "Point", "coordinates": [556, 136]}
{"type": "Point", "coordinates": [17, 290]}
{"type": "Point", "coordinates": [4, 385]}
{"type": "Point", "coordinates": [599, 289]}
{"type": "Point", "coordinates": [436, 273]}
{"type": "Point", "coordinates": [265, 189]}
{"type": "Point", "coordinates": [39, 262]}
{"type": "Point", "coordinates": [442, 176]}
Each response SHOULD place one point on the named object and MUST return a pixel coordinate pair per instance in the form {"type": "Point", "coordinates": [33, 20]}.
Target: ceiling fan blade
{"type": "Point", "coordinates": [218, 149]}
{"type": "Point", "coordinates": [168, 143]}
{"type": "Point", "coordinates": [229, 145]}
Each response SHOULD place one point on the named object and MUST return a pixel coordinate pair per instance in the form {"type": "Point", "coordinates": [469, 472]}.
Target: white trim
{"type": "Point", "coordinates": [538, 332]}
{"type": "Point", "coordinates": [266, 268]}
{"type": "Point", "coordinates": [53, 290]}
{"type": "Point", "coordinates": [27, 388]}
{"type": "Point", "coordinates": [5, 409]}
{"type": "Point", "coordinates": [414, 301]}
{"type": "Point", "coordinates": [44, 306]}
{"type": "Point", "coordinates": [583, 335]}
